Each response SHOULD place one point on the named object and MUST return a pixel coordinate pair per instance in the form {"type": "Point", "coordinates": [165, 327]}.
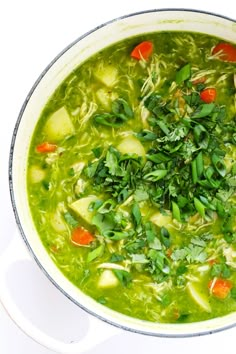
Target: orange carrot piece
{"type": "Point", "coordinates": [220, 288]}
{"type": "Point", "coordinates": [213, 261]}
{"type": "Point", "coordinates": [226, 51]}
{"type": "Point", "coordinates": [46, 147]}
{"type": "Point", "coordinates": [81, 237]}
{"type": "Point", "coordinates": [208, 95]}
{"type": "Point", "coordinates": [142, 51]}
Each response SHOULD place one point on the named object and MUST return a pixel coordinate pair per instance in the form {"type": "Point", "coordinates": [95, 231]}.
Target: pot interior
{"type": "Point", "coordinates": [54, 74]}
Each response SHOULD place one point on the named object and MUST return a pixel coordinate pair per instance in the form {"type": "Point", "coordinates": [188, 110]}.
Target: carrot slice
{"type": "Point", "coordinates": [81, 236]}
{"type": "Point", "coordinates": [220, 288]}
{"type": "Point", "coordinates": [46, 147]}
{"type": "Point", "coordinates": [142, 51]}
{"type": "Point", "coordinates": [226, 51]}
{"type": "Point", "coordinates": [208, 95]}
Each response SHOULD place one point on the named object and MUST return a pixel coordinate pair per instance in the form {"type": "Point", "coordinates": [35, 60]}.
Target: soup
{"type": "Point", "coordinates": [131, 177]}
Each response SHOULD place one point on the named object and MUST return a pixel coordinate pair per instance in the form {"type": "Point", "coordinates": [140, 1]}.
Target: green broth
{"type": "Point", "coordinates": [140, 160]}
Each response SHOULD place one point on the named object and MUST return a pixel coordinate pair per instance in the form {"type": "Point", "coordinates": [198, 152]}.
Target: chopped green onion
{"type": "Point", "coordinates": [176, 211]}
{"type": "Point", "coordinates": [219, 164]}
{"type": "Point", "coordinates": [155, 175]}
{"type": "Point", "coordinates": [116, 235]}
{"type": "Point", "coordinates": [201, 136]}
{"type": "Point", "coordinates": [200, 207]}
{"type": "Point", "coordinates": [146, 135]}
{"type": "Point", "coordinates": [97, 252]}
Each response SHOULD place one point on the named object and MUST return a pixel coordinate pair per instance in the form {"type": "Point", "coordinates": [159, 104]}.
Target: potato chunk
{"type": "Point", "coordinates": [59, 125]}
{"type": "Point", "coordinates": [160, 219]}
{"type": "Point", "coordinates": [131, 145]}
{"type": "Point", "coordinates": [105, 97]}
{"type": "Point", "coordinates": [36, 174]}
{"type": "Point", "coordinates": [106, 75]}
{"type": "Point", "coordinates": [107, 279]}
{"type": "Point", "coordinates": [80, 207]}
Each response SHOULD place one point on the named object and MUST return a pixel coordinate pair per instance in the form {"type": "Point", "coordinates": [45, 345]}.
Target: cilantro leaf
{"type": "Point", "coordinates": [136, 214]}
{"type": "Point", "coordinates": [123, 276]}
{"type": "Point", "coordinates": [183, 74]}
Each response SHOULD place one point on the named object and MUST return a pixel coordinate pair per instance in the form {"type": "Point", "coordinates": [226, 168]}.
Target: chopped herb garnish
{"type": "Point", "coordinates": [123, 276]}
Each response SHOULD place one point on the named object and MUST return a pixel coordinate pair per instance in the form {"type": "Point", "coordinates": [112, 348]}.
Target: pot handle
{"type": "Point", "coordinates": [98, 330]}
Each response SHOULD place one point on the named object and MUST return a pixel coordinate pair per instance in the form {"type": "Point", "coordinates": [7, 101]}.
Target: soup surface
{"type": "Point", "coordinates": [132, 177]}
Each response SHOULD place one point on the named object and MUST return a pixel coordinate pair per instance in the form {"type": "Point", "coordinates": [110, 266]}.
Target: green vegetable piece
{"type": "Point", "coordinates": [116, 235]}
{"type": "Point", "coordinates": [197, 167]}
{"type": "Point", "coordinates": [139, 259]}
{"type": "Point", "coordinates": [183, 74]}
{"type": "Point", "coordinates": [181, 269]}
{"type": "Point", "coordinates": [120, 106]}
{"type": "Point", "coordinates": [219, 164]}
{"type": "Point", "coordinates": [104, 222]}
{"type": "Point", "coordinates": [146, 135]}
{"type": "Point", "coordinates": [91, 169]}
{"type": "Point", "coordinates": [116, 258]}
{"type": "Point", "coordinates": [203, 110]}
{"type": "Point", "coordinates": [107, 206]}
{"type": "Point", "coordinates": [210, 175]}
{"type": "Point", "coordinates": [206, 202]}
{"type": "Point", "coordinates": [71, 172]}
{"type": "Point", "coordinates": [96, 253]}
{"type": "Point", "coordinates": [220, 270]}
{"type": "Point", "coordinates": [136, 214]}
{"type": "Point", "coordinates": [112, 158]}
{"type": "Point", "coordinates": [163, 127]}
{"type": "Point", "coordinates": [200, 207]}
{"type": "Point", "coordinates": [123, 276]}
{"type": "Point", "coordinates": [176, 211]}
{"type": "Point", "coordinates": [109, 119]}
{"type": "Point", "coordinates": [159, 260]}
{"type": "Point", "coordinates": [154, 104]}
{"type": "Point", "coordinates": [121, 112]}
{"type": "Point", "coordinates": [102, 300]}
{"type": "Point", "coordinates": [200, 164]}
{"type": "Point", "coordinates": [140, 195]}
{"type": "Point", "coordinates": [233, 293]}
{"type": "Point", "coordinates": [165, 237]}
{"type": "Point", "coordinates": [158, 158]}
{"type": "Point", "coordinates": [194, 171]}
{"type": "Point", "coordinates": [97, 151]}
{"type": "Point", "coordinates": [70, 220]}
{"type": "Point", "coordinates": [156, 175]}
{"type": "Point", "coordinates": [201, 136]}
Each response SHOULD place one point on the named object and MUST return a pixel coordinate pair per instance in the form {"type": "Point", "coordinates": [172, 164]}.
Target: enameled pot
{"type": "Point", "coordinates": [54, 74]}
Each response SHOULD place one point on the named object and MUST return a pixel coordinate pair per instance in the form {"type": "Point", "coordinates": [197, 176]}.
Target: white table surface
{"type": "Point", "coordinates": [32, 33]}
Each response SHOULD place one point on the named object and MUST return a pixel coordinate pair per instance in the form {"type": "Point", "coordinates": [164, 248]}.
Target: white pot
{"type": "Point", "coordinates": [54, 74]}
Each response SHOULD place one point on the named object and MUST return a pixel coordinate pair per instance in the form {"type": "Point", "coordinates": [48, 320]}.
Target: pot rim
{"type": "Point", "coordinates": [11, 184]}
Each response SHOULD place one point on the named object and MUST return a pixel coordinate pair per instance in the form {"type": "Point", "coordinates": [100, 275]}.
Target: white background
{"type": "Point", "coordinates": [32, 33]}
